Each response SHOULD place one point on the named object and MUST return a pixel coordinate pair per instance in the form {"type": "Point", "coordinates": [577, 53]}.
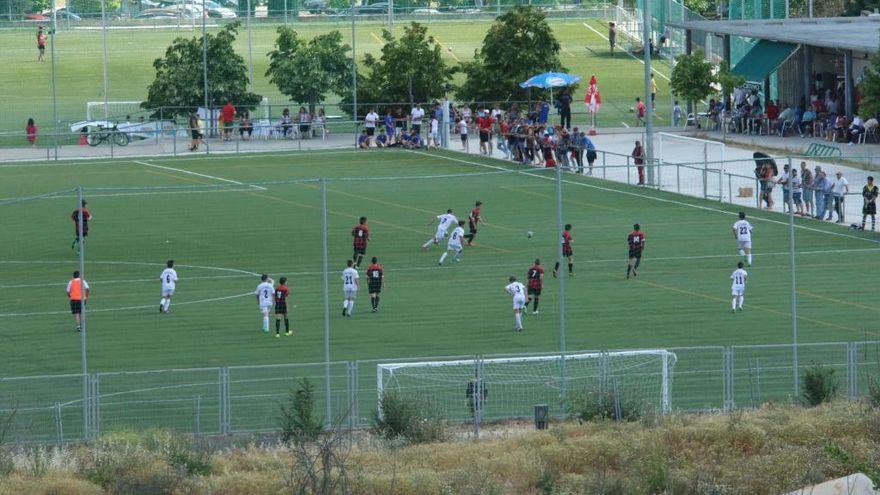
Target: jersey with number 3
{"type": "Point", "coordinates": [743, 230]}
{"type": "Point", "coordinates": [169, 278]}
{"type": "Point", "coordinates": [516, 289]}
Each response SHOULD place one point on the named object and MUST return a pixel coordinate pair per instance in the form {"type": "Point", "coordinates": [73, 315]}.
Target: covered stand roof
{"type": "Point", "coordinates": [842, 33]}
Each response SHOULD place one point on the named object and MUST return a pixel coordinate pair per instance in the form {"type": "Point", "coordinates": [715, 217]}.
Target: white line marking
{"type": "Point", "coordinates": [625, 125]}
{"type": "Point", "coordinates": [591, 28]}
{"type": "Point", "coordinates": [127, 308]}
{"type": "Point", "coordinates": [129, 281]}
{"type": "Point", "coordinates": [638, 195]}
{"type": "Point", "coordinates": [140, 193]}
{"type": "Point", "coordinates": [190, 172]}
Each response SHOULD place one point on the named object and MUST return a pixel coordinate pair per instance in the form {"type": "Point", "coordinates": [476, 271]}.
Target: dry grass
{"type": "Point", "coordinates": [767, 451]}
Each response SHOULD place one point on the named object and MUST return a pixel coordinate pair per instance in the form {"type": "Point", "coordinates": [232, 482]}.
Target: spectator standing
{"type": "Point", "coordinates": [640, 112]}
{"type": "Point", "coordinates": [320, 122]}
{"type": "Point", "coordinates": [399, 121]}
{"type": "Point", "coordinates": [194, 131]}
{"type": "Point", "coordinates": [807, 186]}
{"type": "Point", "coordinates": [796, 191]}
{"type": "Point", "coordinates": [869, 208]}
{"type": "Point", "coordinates": [612, 36]}
{"type": "Point", "coordinates": [828, 192]}
{"type": "Point", "coordinates": [564, 100]}
{"type": "Point", "coordinates": [591, 152]}
{"type": "Point", "coordinates": [767, 176]}
{"type": "Point", "coordinates": [77, 293]}
{"type": "Point", "coordinates": [653, 91]}
{"type": "Point", "coordinates": [286, 123]}
{"type": "Point", "coordinates": [41, 43]}
{"type": "Point", "coordinates": [820, 184]}
{"type": "Point", "coordinates": [389, 124]}
{"type": "Point", "coordinates": [638, 155]}
{"type": "Point", "coordinates": [227, 117]}
{"type": "Point", "coordinates": [484, 126]}
{"type": "Point", "coordinates": [543, 112]}
{"type": "Point", "coordinates": [785, 180]}
{"type": "Point", "coordinates": [840, 189]}
{"type": "Point", "coordinates": [370, 121]}
{"type": "Point", "coordinates": [305, 122]}
{"type": "Point", "coordinates": [31, 131]}
{"type": "Point", "coordinates": [416, 115]}
{"type": "Point", "coordinates": [677, 114]}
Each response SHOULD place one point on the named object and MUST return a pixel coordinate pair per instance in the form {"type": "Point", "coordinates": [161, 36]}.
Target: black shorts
{"type": "Point", "coordinates": [76, 231]}
{"type": "Point", "coordinates": [195, 134]}
{"type": "Point", "coordinates": [281, 308]}
{"type": "Point", "coordinates": [566, 251]}
{"type": "Point", "coordinates": [417, 128]}
{"type": "Point", "coordinates": [534, 291]}
{"type": "Point", "coordinates": [371, 131]}
{"type": "Point", "coordinates": [484, 136]}
{"type": "Point", "coordinates": [473, 228]}
{"type": "Point", "coordinates": [869, 209]}
{"type": "Point", "coordinates": [591, 156]}
{"type": "Point", "coordinates": [246, 129]}
{"type": "Point", "coordinates": [463, 138]}
{"type": "Point", "coordinates": [360, 250]}
{"type": "Point", "coordinates": [374, 288]}
{"type": "Point", "coordinates": [76, 307]}
{"type": "Point", "coordinates": [635, 253]}
{"type": "Point", "coordinates": [42, 48]}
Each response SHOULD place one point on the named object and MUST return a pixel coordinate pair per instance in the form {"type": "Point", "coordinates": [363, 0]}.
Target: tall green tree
{"type": "Point", "coordinates": [178, 87]}
{"type": "Point", "coordinates": [518, 45]}
{"type": "Point", "coordinates": [693, 78]}
{"type": "Point", "coordinates": [307, 72]}
{"type": "Point", "coordinates": [410, 69]}
{"type": "Point", "coordinates": [93, 6]}
{"type": "Point", "coordinates": [869, 88]}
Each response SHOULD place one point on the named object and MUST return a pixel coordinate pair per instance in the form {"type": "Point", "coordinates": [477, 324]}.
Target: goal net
{"type": "Point", "coordinates": [674, 148]}
{"type": "Point", "coordinates": [116, 111]}
{"type": "Point", "coordinates": [513, 386]}
{"type": "Point", "coordinates": [691, 166]}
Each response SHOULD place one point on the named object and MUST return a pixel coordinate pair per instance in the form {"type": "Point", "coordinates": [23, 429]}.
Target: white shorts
{"type": "Point", "coordinates": [454, 247]}
{"type": "Point", "coordinates": [745, 244]}
{"type": "Point", "coordinates": [738, 291]}
{"type": "Point", "coordinates": [433, 135]}
{"type": "Point", "coordinates": [265, 307]}
{"type": "Point", "coordinates": [519, 303]}
{"type": "Point", "coordinates": [167, 291]}
{"type": "Point", "coordinates": [350, 292]}
{"type": "Point", "coordinates": [441, 234]}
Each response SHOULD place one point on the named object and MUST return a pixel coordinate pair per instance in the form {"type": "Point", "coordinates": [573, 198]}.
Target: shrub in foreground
{"type": "Point", "coordinates": [410, 420]}
{"type": "Point", "coordinates": [596, 404]}
{"type": "Point", "coordinates": [819, 385]}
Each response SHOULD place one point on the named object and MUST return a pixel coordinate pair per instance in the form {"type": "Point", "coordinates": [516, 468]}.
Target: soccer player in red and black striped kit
{"type": "Point", "coordinates": [566, 251]}
{"type": "Point", "coordinates": [536, 282]}
{"type": "Point", "coordinates": [281, 295]}
{"type": "Point", "coordinates": [86, 218]}
{"type": "Point", "coordinates": [636, 241]}
{"type": "Point", "coordinates": [361, 234]}
{"type": "Point", "coordinates": [375, 276]}
{"type": "Point", "coordinates": [473, 220]}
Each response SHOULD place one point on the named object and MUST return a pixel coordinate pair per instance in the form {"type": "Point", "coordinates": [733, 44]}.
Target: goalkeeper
{"type": "Point", "coordinates": [476, 394]}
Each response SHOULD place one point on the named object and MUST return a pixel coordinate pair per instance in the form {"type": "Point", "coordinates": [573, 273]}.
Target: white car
{"type": "Point", "coordinates": [426, 12]}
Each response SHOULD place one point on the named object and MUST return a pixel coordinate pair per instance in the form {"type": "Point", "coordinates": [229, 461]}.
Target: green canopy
{"type": "Point", "coordinates": [763, 59]}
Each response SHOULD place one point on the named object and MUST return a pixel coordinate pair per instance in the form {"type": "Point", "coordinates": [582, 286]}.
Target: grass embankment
{"type": "Point", "coordinates": [768, 451]}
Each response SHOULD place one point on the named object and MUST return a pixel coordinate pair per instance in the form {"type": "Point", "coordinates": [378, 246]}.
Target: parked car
{"type": "Point", "coordinates": [154, 14]}
{"type": "Point", "coordinates": [378, 8]}
{"type": "Point", "coordinates": [216, 10]}
{"type": "Point", "coordinates": [36, 16]}
{"type": "Point", "coordinates": [426, 12]}
{"type": "Point", "coordinates": [315, 5]}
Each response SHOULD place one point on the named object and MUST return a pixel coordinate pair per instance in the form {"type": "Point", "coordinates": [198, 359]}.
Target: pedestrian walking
{"type": "Point", "coordinates": [638, 155]}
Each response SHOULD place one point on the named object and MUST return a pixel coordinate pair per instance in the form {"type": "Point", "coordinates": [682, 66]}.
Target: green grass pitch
{"type": "Point", "coordinates": [132, 52]}
{"type": "Point", "coordinates": [148, 212]}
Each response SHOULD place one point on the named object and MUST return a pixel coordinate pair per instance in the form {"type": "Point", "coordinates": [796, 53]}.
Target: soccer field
{"type": "Point", "coordinates": [226, 219]}
{"type": "Point", "coordinates": [26, 91]}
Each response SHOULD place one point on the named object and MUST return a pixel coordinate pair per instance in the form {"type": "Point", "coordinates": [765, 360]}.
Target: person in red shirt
{"type": "Point", "coordinates": [86, 218]}
{"type": "Point", "coordinates": [566, 251]}
{"type": "Point", "coordinates": [484, 124]}
{"type": "Point", "coordinates": [31, 131]}
{"type": "Point", "coordinates": [638, 156]}
{"type": "Point", "coordinates": [227, 116]}
{"type": "Point", "coordinates": [361, 234]}
{"type": "Point", "coordinates": [281, 295]}
{"type": "Point", "coordinates": [375, 276]}
{"type": "Point", "coordinates": [41, 43]}
{"type": "Point", "coordinates": [473, 220]}
{"type": "Point", "coordinates": [636, 241]}
{"type": "Point", "coordinates": [536, 282]}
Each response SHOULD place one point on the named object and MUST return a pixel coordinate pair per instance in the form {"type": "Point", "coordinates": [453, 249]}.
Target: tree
{"type": "Point", "coordinates": [518, 45]}
{"type": "Point", "coordinates": [410, 69]}
{"type": "Point", "coordinates": [306, 72]}
{"type": "Point", "coordinates": [93, 6]}
{"type": "Point", "coordinates": [728, 80]}
{"type": "Point", "coordinates": [178, 87]}
{"type": "Point", "coordinates": [693, 78]}
{"type": "Point", "coordinates": [869, 88]}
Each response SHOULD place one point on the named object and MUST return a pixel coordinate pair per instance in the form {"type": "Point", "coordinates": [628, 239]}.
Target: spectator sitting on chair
{"type": "Point", "coordinates": [245, 126]}
{"type": "Point", "coordinates": [305, 121]}
{"type": "Point", "coordinates": [787, 115]}
{"type": "Point", "coordinates": [871, 127]}
{"type": "Point", "coordinates": [856, 129]}
{"type": "Point", "coordinates": [807, 121]}
{"type": "Point", "coordinates": [838, 129]}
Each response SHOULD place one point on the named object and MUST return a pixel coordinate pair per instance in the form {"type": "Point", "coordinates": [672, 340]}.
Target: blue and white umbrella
{"type": "Point", "coordinates": [550, 80]}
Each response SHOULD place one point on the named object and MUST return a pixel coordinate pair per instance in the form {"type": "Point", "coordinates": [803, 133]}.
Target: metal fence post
{"type": "Point", "coordinates": [82, 274]}
{"type": "Point", "coordinates": [604, 165]}
{"type": "Point", "coordinates": [852, 367]}
{"type": "Point", "coordinates": [325, 261]}
{"type": "Point", "coordinates": [223, 384]}
{"type": "Point", "coordinates": [727, 367]}
{"type": "Point", "coordinates": [59, 425]}
{"type": "Point", "coordinates": [476, 397]}
{"type": "Point", "coordinates": [197, 415]}
{"type": "Point", "coordinates": [678, 178]}
{"type": "Point", "coordinates": [560, 257]}
{"type": "Point", "coordinates": [95, 413]}
{"type": "Point", "coordinates": [792, 266]}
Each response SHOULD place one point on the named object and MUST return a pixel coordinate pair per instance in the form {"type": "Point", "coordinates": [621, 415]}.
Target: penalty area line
{"type": "Point", "coordinates": [197, 174]}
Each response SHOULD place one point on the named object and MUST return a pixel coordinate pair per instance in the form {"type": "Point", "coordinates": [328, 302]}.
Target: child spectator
{"type": "Point", "coordinates": [31, 131]}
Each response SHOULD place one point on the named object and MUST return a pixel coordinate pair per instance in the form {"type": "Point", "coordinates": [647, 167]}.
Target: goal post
{"type": "Point", "coordinates": [115, 110]}
{"type": "Point", "coordinates": [514, 385]}
{"type": "Point", "coordinates": [696, 156]}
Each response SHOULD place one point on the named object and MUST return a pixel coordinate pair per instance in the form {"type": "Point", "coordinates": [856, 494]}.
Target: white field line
{"type": "Point", "coordinates": [197, 174]}
{"type": "Point", "coordinates": [143, 193]}
{"type": "Point", "coordinates": [129, 308]}
{"type": "Point", "coordinates": [655, 71]}
{"type": "Point", "coordinates": [644, 196]}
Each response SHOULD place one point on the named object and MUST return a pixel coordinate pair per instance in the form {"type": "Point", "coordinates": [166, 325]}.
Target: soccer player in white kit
{"type": "Point", "coordinates": [518, 291]}
{"type": "Point", "coordinates": [454, 243]}
{"type": "Point", "coordinates": [445, 221]}
{"type": "Point", "coordinates": [266, 298]}
{"type": "Point", "coordinates": [738, 287]}
{"type": "Point", "coordinates": [742, 231]}
{"type": "Point", "coordinates": [349, 288]}
{"type": "Point", "coordinates": [169, 283]}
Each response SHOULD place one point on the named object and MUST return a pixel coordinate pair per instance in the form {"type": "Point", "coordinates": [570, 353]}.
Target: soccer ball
{"type": "Point", "coordinates": [529, 234]}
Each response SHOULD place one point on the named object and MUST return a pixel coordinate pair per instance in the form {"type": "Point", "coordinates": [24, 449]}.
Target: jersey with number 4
{"type": "Point", "coordinates": [169, 278]}
{"type": "Point", "coordinates": [266, 294]}
{"type": "Point", "coordinates": [738, 278]}
{"type": "Point", "coordinates": [743, 230]}
{"type": "Point", "coordinates": [349, 278]}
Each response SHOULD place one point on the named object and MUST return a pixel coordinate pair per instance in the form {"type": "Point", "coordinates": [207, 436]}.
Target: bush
{"type": "Point", "coordinates": [590, 405]}
{"type": "Point", "coordinates": [819, 385]}
{"type": "Point", "coordinates": [410, 420]}
{"type": "Point", "coordinates": [299, 424]}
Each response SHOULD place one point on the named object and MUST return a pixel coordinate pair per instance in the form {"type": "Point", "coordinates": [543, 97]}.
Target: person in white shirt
{"type": "Point", "coordinates": [445, 221]}
{"type": "Point", "coordinates": [463, 132]}
{"type": "Point", "coordinates": [738, 287]}
{"type": "Point", "coordinates": [416, 115]}
{"type": "Point", "coordinates": [350, 287]}
{"type": "Point", "coordinates": [742, 232]}
{"type": "Point", "coordinates": [265, 298]}
{"type": "Point", "coordinates": [797, 192]}
{"type": "Point", "coordinates": [454, 244]}
{"type": "Point", "coordinates": [169, 283]}
{"type": "Point", "coordinates": [434, 134]}
{"type": "Point", "coordinates": [370, 124]}
{"type": "Point", "coordinates": [840, 189]}
{"type": "Point", "coordinates": [518, 291]}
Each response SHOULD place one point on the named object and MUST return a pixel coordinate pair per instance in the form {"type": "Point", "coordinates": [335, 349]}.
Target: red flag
{"type": "Point", "coordinates": [593, 99]}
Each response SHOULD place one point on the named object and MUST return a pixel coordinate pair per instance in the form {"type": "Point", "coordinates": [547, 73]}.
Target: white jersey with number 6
{"type": "Point", "coordinates": [518, 291]}
{"type": "Point", "coordinates": [266, 294]}
{"type": "Point", "coordinates": [738, 284]}
{"type": "Point", "coordinates": [169, 280]}
{"type": "Point", "coordinates": [455, 239]}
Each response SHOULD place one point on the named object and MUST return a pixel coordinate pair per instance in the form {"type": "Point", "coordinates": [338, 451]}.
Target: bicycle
{"type": "Point", "coordinates": [107, 134]}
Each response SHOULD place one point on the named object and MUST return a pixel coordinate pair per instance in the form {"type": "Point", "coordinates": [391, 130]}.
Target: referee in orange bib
{"type": "Point", "coordinates": [78, 293]}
